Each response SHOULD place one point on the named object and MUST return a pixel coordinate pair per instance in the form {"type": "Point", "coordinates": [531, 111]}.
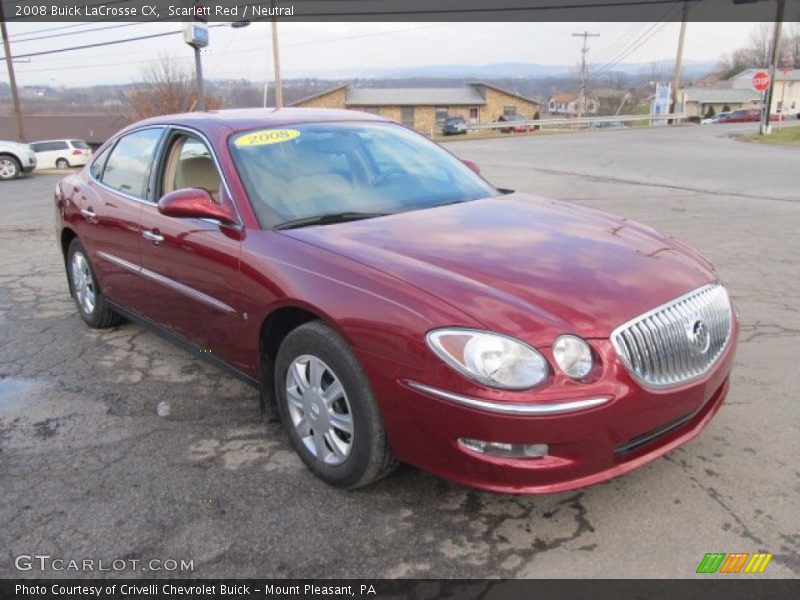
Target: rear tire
{"type": "Point", "coordinates": [327, 407]}
{"type": "Point", "coordinates": [62, 163]}
{"type": "Point", "coordinates": [92, 306]}
{"type": "Point", "coordinates": [9, 168]}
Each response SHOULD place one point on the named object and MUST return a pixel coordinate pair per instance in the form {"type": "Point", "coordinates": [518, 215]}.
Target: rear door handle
{"type": "Point", "coordinates": [153, 236]}
{"type": "Point", "coordinates": [88, 213]}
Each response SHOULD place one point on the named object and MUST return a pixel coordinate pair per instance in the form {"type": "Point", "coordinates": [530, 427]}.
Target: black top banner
{"type": "Point", "coordinates": [227, 11]}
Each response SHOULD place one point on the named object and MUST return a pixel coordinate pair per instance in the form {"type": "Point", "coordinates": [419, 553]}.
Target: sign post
{"type": "Point", "coordinates": [761, 83]}
{"type": "Point", "coordinates": [195, 33]}
{"type": "Point", "coordinates": [661, 103]}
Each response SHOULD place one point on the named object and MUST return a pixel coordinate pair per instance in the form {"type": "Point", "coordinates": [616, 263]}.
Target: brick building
{"type": "Point", "coordinates": [425, 109]}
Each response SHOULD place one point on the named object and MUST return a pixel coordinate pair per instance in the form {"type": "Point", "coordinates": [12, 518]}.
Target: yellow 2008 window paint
{"type": "Point", "coordinates": [266, 136]}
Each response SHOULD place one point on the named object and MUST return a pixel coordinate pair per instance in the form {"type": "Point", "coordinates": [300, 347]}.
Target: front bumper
{"type": "Point", "coordinates": [586, 446]}
{"type": "Point", "coordinates": [30, 164]}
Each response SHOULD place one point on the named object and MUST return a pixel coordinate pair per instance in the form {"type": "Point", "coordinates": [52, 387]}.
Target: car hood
{"type": "Point", "coordinates": [524, 265]}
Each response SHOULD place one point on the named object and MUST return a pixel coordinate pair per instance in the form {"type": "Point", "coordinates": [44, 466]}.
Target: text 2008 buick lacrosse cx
{"type": "Point", "coordinates": [396, 306]}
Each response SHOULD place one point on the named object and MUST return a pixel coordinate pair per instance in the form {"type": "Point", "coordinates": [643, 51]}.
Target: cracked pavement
{"type": "Point", "coordinates": [116, 444]}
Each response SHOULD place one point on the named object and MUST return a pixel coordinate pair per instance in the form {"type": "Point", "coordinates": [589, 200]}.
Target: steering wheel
{"type": "Point", "coordinates": [383, 178]}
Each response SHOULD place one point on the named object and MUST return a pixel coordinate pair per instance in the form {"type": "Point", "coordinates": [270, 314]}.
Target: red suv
{"type": "Point", "coordinates": [394, 305]}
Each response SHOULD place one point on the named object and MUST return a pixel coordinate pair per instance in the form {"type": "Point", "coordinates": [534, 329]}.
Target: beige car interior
{"type": "Point", "coordinates": [190, 169]}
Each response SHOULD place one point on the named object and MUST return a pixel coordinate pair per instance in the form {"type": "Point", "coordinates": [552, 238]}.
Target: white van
{"type": "Point", "coordinates": [61, 154]}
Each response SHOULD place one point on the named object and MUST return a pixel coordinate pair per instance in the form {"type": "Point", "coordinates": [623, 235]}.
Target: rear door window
{"type": "Point", "coordinates": [128, 166]}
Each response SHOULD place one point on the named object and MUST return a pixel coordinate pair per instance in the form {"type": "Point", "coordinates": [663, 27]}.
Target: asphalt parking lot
{"type": "Point", "coordinates": [116, 444]}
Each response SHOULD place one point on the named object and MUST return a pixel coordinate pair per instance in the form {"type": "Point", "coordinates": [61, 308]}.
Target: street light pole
{"type": "Point", "coordinates": [201, 88]}
{"type": "Point", "coordinates": [12, 80]}
{"type": "Point", "coordinates": [276, 61]}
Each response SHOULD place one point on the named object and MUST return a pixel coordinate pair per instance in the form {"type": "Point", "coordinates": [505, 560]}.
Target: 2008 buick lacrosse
{"type": "Point", "coordinates": [394, 305]}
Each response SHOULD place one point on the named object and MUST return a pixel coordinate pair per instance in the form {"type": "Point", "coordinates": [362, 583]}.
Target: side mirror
{"type": "Point", "coordinates": [195, 203]}
{"type": "Point", "coordinates": [472, 166]}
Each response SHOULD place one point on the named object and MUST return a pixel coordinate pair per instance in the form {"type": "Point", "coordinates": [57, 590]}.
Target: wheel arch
{"type": "Point", "coordinates": [67, 235]}
{"type": "Point", "coordinates": [278, 324]}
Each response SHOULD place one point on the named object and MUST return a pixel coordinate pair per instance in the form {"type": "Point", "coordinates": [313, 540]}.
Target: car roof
{"type": "Point", "coordinates": [57, 140]}
{"type": "Point", "coordinates": [242, 119]}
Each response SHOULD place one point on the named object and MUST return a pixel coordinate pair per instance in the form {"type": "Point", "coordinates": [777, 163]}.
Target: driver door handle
{"type": "Point", "coordinates": [153, 236]}
{"type": "Point", "coordinates": [88, 213]}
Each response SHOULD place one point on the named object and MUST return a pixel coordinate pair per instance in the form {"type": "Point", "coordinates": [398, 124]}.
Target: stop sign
{"type": "Point", "coordinates": [761, 81]}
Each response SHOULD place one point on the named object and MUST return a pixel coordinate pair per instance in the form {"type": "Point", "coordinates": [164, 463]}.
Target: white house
{"type": "Point", "coordinates": [569, 105]}
{"type": "Point", "coordinates": [786, 92]}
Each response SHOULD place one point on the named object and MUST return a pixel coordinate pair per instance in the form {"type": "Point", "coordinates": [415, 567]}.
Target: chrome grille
{"type": "Point", "coordinates": [668, 346]}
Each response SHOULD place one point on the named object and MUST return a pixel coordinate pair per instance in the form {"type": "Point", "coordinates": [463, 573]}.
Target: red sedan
{"type": "Point", "coordinates": [395, 306]}
{"type": "Point", "coordinates": [746, 115]}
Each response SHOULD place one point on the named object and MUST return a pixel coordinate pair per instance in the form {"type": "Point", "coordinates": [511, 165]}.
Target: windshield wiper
{"type": "Point", "coordinates": [328, 219]}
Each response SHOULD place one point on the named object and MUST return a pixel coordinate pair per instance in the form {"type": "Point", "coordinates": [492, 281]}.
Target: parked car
{"type": "Point", "coordinates": [607, 125]}
{"type": "Point", "coordinates": [514, 128]}
{"type": "Point", "coordinates": [15, 159]}
{"type": "Point", "coordinates": [747, 115]}
{"type": "Point", "coordinates": [61, 154]}
{"type": "Point", "coordinates": [394, 305]}
{"type": "Point", "coordinates": [454, 126]}
{"type": "Point", "coordinates": [715, 118]}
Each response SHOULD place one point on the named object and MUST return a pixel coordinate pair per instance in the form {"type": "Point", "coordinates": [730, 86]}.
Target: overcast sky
{"type": "Point", "coordinates": [322, 49]}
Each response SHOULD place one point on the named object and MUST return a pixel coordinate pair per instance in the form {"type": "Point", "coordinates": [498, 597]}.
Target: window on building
{"type": "Point", "coordinates": [509, 110]}
{"type": "Point", "coordinates": [474, 114]}
{"type": "Point", "coordinates": [371, 109]}
{"type": "Point", "coordinates": [407, 116]}
{"type": "Point", "coordinates": [441, 115]}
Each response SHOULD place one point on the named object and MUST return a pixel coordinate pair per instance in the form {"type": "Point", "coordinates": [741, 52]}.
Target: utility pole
{"type": "Point", "coordinates": [766, 129]}
{"type": "Point", "coordinates": [201, 88]}
{"type": "Point", "coordinates": [276, 61]}
{"type": "Point", "coordinates": [584, 70]}
{"type": "Point", "coordinates": [12, 80]}
{"type": "Point", "coordinates": [676, 75]}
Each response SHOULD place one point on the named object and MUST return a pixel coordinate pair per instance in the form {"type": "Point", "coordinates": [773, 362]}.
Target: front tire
{"type": "Point", "coordinates": [62, 163]}
{"type": "Point", "coordinates": [9, 168]}
{"type": "Point", "coordinates": [327, 407]}
{"type": "Point", "coordinates": [92, 306]}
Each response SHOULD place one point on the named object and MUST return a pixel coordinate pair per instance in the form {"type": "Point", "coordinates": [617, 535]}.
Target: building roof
{"type": "Point", "coordinates": [466, 95]}
{"type": "Point", "coordinates": [563, 97]}
{"type": "Point", "coordinates": [793, 75]}
{"type": "Point", "coordinates": [94, 129]}
{"type": "Point", "coordinates": [721, 95]}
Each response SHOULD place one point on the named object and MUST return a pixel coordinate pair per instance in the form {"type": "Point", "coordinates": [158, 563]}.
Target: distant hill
{"type": "Point", "coordinates": [497, 70]}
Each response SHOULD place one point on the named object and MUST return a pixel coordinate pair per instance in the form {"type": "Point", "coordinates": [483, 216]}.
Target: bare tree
{"type": "Point", "coordinates": [755, 54]}
{"type": "Point", "coordinates": [168, 86]}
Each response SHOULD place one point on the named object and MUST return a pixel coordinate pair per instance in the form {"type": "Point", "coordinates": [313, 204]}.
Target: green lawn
{"type": "Point", "coordinates": [787, 136]}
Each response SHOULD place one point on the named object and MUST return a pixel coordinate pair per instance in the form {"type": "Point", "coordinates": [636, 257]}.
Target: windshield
{"type": "Point", "coordinates": [329, 168]}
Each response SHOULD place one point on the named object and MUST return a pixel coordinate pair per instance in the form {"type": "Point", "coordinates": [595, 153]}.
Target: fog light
{"type": "Point", "coordinates": [505, 450]}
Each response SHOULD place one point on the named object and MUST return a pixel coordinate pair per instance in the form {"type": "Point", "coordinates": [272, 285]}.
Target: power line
{"type": "Point", "coordinates": [65, 34]}
{"type": "Point", "coordinates": [653, 30]}
{"type": "Point", "coordinates": [224, 53]}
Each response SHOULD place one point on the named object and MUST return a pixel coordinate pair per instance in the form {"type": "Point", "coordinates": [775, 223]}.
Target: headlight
{"type": "Point", "coordinates": [573, 356]}
{"type": "Point", "coordinates": [489, 358]}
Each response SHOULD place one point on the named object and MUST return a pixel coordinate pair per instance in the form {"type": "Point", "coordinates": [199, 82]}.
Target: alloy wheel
{"type": "Point", "coordinates": [8, 168]}
{"type": "Point", "coordinates": [83, 283]}
{"type": "Point", "coordinates": [319, 409]}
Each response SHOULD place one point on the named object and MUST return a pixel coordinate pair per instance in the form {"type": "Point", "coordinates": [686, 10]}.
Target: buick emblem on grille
{"type": "Point", "coordinates": [698, 335]}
